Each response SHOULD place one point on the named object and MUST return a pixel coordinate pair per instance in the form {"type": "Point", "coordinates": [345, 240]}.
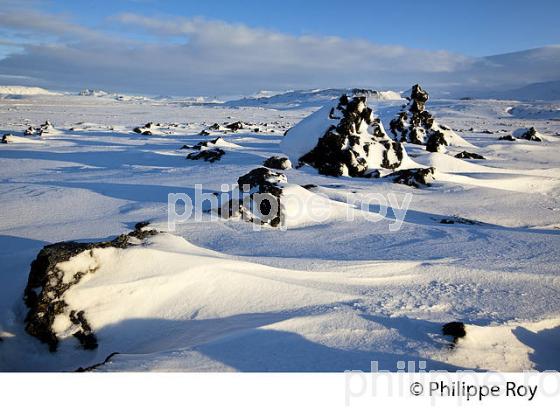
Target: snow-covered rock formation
{"type": "Point", "coordinates": [529, 134]}
{"type": "Point", "coordinates": [56, 269]}
{"type": "Point", "coordinates": [344, 139]}
{"type": "Point", "coordinates": [417, 126]}
{"type": "Point", "coordinates": [265, 197]}
{"type": "Point", "coordinates": [46, 128]}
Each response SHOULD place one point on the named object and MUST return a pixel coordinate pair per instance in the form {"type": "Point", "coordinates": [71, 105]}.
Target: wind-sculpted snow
{"type": "Point", "coordinates": [357, 270]}
{"type": "Point", "coordinates": [57, 268]}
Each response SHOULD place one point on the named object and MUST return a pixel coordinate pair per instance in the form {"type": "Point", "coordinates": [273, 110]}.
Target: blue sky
{"type": "Point", "coordinates": [227, 47]}
{"type": "Point", "coordinates": [474, 27]}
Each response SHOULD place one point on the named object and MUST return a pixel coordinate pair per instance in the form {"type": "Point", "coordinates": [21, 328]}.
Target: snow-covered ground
{"type": "Point", "coordinates": [318, 296]}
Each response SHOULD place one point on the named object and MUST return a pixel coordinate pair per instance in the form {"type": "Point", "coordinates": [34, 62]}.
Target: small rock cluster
{"type": "Point", "coordinates": [47, 284]}
{"type": "Point", "coordinates": [233, 127]}
{"type": "Point", "coordinates": [44, 128]}
{"type": "Point", "coordinates": [207, 150]}
{"type": "Point", "coordinates": [146, 129]}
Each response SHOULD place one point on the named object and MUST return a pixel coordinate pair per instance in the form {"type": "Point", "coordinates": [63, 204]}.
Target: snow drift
{"type": "Point", "coordinates": [22, 90]}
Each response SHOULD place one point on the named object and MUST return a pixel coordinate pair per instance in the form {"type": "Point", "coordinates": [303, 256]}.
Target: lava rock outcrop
{"type": "Point", "coordinates": [47, 283]}
{"type": "Point", "coordinates": [354, 143]}
{"type": "Point", "coordinates": [415, 125]}
{"type": "Point", "coordinates": [259, 197]}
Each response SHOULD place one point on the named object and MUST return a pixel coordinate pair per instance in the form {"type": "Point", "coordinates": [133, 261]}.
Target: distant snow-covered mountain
{"type": "Point", "coordinates": [545, 91]}
{"type": "Point", "coordinates": [310, 98]}
{"type": "Point", "coordinates": [23, 90]}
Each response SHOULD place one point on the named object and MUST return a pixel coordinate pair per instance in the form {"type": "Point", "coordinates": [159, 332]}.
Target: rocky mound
{"type": "Point", "coordinates": [48, 281]}
{"type": "Point", "coordinates": [529, 134]}
{"type": "Point", "coordinates": [281, 163]}
{"type": "Point", "coordinates": [417, 126]}
{"type": "Point", "coordinates": [345, 139]}
{"type": "Point", "coordinates": [258, 198]}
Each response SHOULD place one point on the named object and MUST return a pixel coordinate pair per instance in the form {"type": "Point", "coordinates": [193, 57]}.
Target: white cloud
{"type": "Point", "coordinates": [196, 56]}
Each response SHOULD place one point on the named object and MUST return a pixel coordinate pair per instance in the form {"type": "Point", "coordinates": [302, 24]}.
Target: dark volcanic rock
{"type": "Point", "coordinates": [85, 334]}
{"type": "Point", "coordinates": [458, 220]}
{"type": "Point", "coordinates": [208, 144]}
{"type": "Point", "coordinates": [350, 147]}
{"type": "Point", "coordinates": [507, 138]}
{"type": "Point", "coordinates": [455, 330]}
{"type": "Point", "coordinates": [144, 130]}
{"type": "Point", "coordinates": [236, 126]}
{"type": "Point", "coordinates": [415, 177]}
{"type": "Point", "coordinates": [204, 133]}
{"type": "Point", "coordinates": [530, 134]}
{"type": "Point", "coordinates": [275, 162]}
{"type": "Point", "coordinates": [309, 187]}
{"type": "Point", "coordinates": [46, 285]}
{"type": "Point", "coordinates": [210, 155]}
{"type": "Point", "coordinates": [468, 155]}
{"type": "Point", "coordinates": [44, 128]}
{"type": "Point", "coordinates": [95, 366]}
{"type": "Point", "coordinates": [264, 191]}
{"type": "Point", "coordinates": [436, 142]}
{"type": "Point", "coordinates": [417, 126]}
{"type": "Point", "coordinates": [5, 138]}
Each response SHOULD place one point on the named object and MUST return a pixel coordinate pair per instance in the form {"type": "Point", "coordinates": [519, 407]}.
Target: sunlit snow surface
{"type": "Point", "coordinates": [325, 296]}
